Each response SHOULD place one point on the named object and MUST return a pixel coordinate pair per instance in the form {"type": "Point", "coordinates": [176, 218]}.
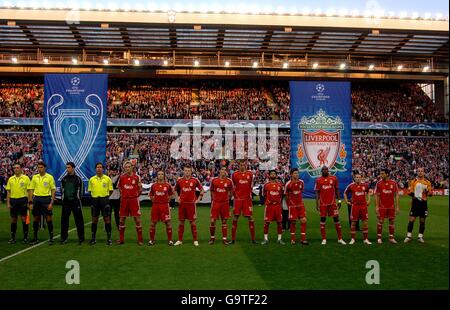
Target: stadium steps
{"type": "Point", "coordinates": [195, 97]}
{"type": "Point", "coordinates": [271, 101]}
{"type": "Point", "coordinates": [269, 96]}
{"type": "Point", "coordinates": [136, 148]}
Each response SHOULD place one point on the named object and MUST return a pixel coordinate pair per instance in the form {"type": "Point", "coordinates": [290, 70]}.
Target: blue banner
{"type": "Point", "coordinates": [321, 132]}
{"type": "Point", "coordinates": [74, 123]}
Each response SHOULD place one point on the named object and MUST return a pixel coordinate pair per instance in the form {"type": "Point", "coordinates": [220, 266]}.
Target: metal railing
{"type": "Point", "coordinates": [231, 62]}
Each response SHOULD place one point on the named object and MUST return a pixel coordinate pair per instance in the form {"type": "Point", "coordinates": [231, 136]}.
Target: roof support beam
{"type": "Point", "coordinates": [267, 39]}
{"type": "Point", "coordinates": [220, 38]}
{"type": "Point", "coordinates": [125, 37]}
{"type": "Point", "coordinates": [29, 35]}
{"type": "Point", "coordinates": [173, 37]}
{"type": "Point", "coordinates": [360, 39]}
{"type": "Point", "coordinates": [77, 36]}
{"type": "Point", "coordinates": [402, 43]}
{"type": "Point", "coordinates": [313, 40]}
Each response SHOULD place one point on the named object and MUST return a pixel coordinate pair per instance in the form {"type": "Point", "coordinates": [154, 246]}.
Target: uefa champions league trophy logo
{"type": "Point", "coordinates": [74, 131]}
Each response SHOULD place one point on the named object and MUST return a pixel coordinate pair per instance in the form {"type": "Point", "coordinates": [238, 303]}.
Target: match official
{"type": "Point", "coordinates": [41, 195]}
{"type": "Point", "coordinates": [16, 201]}
{"type": "Point", "coordinates": [100, 186]}
{"type": "Point", "coordinates": [72, 192]}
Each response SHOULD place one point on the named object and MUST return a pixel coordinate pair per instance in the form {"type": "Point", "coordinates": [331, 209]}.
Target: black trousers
{"type": "Point", "coordinates": [67, 208]}
{"type": "Point", "coordinates": [349, 207]}
{"type": "Point", "coordinates": [115, 205]}
{"type": "Point", "coordinates": [285, 222]}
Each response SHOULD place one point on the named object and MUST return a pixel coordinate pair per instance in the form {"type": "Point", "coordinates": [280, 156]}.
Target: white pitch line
{"type": "Point", "coordinates": [39, 244]}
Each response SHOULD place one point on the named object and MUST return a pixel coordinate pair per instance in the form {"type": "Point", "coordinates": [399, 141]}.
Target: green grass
{"type": "Point", "coordinates": [242, 266]}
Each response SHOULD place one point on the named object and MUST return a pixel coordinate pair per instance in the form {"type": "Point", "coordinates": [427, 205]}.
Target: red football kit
{"type": "Point", "coordinates": [386, 191]}
{"type": "Point", "coordinates": [294, 199]}
{"type": "Point", "coordinates": [129, 202]}
{"type": "Point", "coordinates": [358, 200]}
{"type": "Point", "coordinates": [129, 195]}
{"type": "Point", "coordinates": [273, 193]}
{"type": "Point", "coordinates": [220, 190]}
{"type": "Point", "coordinates": [242, 183]}
{"type": "Point", "coordinates": [161, 193]}
{"type": "Point", "coordinates": [327, 186]}
{"type": "Point", "coordinates": [186, 189]}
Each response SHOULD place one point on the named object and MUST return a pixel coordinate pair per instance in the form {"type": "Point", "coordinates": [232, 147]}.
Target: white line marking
{"type": "Point", "coordinates": [39, 244]}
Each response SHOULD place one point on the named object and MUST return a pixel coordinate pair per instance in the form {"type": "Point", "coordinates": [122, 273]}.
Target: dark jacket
{"type": "Point", "coordinates": [71, 188]}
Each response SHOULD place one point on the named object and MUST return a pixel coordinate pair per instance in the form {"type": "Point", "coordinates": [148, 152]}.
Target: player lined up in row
{"type": "Point", "coordinates": [38, 196]}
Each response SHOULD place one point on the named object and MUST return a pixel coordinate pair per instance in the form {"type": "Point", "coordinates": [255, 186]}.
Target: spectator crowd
{"type": "Point", "coordinates": [150, 152]}
{"type": "Point", "coordinates": [232, 100]}
{"type": "Point", "coordinates": [237, 100]}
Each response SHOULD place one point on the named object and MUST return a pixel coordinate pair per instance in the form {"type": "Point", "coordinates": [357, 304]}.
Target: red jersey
{"type": "Point", "coordinates": [161, 192]}
{"type": "Point", "coordinates": [294, 193]}
{"type": "Point", "coordinates": [358, 192]}
{"type": "Point", "coordinates": [386, 190]}
{"type": "Point", "coordinates": [273, 193]}
{"type": "Point", "coordinates": [129, 185]}
{"type": "Point", "coordinates": [327, 186]}
{"type": "Point", "coordinates": [186, 189]}
{"type": "Point", "coordinates": [220, 188]}
{"type": "Point", "coordinates": [242, 183]}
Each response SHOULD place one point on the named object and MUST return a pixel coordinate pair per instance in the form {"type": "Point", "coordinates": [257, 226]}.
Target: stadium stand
{"type": "Point", "coordinates": [402, 155]}
{"type": "Point", "coordinates": [380, 102]}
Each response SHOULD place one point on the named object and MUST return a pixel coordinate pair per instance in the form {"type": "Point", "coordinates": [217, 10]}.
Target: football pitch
{"type": "Point", "coordinates": [241, 266]}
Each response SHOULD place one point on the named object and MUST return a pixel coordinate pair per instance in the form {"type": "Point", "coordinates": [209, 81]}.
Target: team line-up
{"type": "Point", "coordinates": [38, 195]}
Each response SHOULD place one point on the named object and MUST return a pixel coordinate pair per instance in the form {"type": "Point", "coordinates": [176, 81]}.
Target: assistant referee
{"type": "Point", "coordinates": [41, 195]}
{"type": "Point", "coordinates": [16, 201]}
{"type": "Point", "coordinates": [100, 186]}
{"type": "Point", "coordinates": [72, 192]}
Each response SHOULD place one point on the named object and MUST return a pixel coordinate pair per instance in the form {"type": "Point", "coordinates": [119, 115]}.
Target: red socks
{"type": "Point", "coordinates": [266, 228]}
{"type": "Point", "coordinates": [233, 230]}
{"type": "Point", "coordinates": [152, 233]}
{"type": "Point", "coordinates": [391, 231]}
{"type": "Point", "coordinates": [251, 226]}
{"type": "Point", "coordinates": [279, 228]}
{"type": "Point", "coordinates": [323, 231]}
{"type": "Point", "coordinates": [353, 231]}
{"type": "Point", "coordinates": [194, 231]}
{"type": "Point", "coordinates": [139, 233]}
{"type": "Point", "coordinates": [180, 232]}
{"type": "Point", "coordinates": [224, 231]}
{"type": "Point", "coordinates": [293, 231]}
{"type": "Point", "coordinates": [303, 231]}
{"type": "Point", "coordinates": [379, 230]}
{"type": "Point", "coordinates": [121, 233]}
{"type": "Point", "coordinates": [169, 233]}
{"type": "Point", "coordinates": [338, 230]}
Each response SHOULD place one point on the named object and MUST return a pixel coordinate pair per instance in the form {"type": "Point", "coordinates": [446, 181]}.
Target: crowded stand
{"type": "Point", "coordinates": [219, 102]}
{"type": "Point", "coordinates": [21, 100]}
{"type": "Point", "coordinates": [393, 103]}
{"type": "Point", "coordinates": [147, 102]}
{"type": "Point", "coordinates": [402, 155]}
{"type": "Point", "coordinates": [231, 100]}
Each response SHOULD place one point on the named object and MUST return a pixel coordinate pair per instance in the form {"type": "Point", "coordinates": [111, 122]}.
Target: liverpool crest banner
{"type": "Point", "coordinates": [321, 133]}
{"type": "Point", "coordinates": [74, 123]}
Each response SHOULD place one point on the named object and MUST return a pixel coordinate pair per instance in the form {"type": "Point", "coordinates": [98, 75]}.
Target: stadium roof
{"type": "Point", "coordinates": [178, 39]}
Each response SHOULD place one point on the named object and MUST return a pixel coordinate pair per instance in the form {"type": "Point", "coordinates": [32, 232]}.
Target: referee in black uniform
{"type": "Point", "coordinates": [72, 192]}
